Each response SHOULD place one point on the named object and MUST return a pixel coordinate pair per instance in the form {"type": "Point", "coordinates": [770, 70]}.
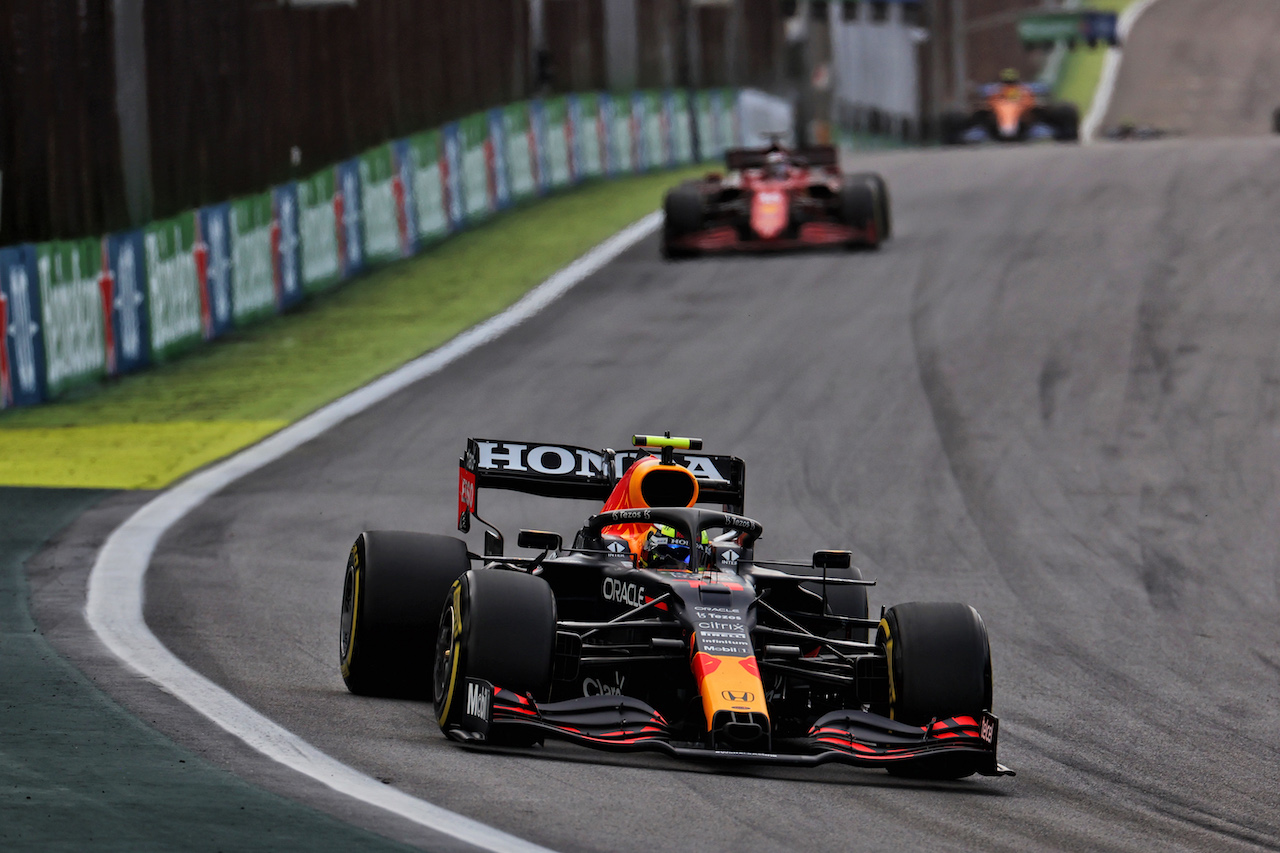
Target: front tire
{"type": "Point", "coordinates": [395, 586]}
{"type": "Point", "coordinates": [939, 661]}
{"type": "Point", "coordinates": [858, 208]}
{"type": "Point", "coordinates": [682, 214]}
{"type": "Point", "coordinates": [498, 626]}
{"type": "Point", "coordinates": [880, 189]}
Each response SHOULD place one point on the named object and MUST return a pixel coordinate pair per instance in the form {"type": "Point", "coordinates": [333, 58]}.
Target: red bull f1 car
{"type": "Point", "coordinates": [660, 628]}
{"type": "Point", "coordinates": [775, 198]}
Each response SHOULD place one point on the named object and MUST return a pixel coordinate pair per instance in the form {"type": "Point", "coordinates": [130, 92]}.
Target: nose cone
{"type": "Point", "coordinates": [769, 213]}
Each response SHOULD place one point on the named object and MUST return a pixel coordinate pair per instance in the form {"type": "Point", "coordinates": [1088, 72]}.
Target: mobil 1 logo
{"type": "Point", "coordinates": [478, 709]}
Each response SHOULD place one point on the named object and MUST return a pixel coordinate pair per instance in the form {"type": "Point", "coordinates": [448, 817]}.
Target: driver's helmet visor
{"type": "Point", "coordinates": [665, 548]}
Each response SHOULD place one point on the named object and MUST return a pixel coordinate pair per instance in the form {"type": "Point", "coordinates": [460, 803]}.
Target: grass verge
{"type": "Point", "coordinates": [148, 429]}
{"type": "Point", "coordinates": [1082, 67]}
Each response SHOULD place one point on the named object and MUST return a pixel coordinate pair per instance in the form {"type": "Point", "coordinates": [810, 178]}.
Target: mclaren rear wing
{"type": "Point", "coordinates": [566, 471]}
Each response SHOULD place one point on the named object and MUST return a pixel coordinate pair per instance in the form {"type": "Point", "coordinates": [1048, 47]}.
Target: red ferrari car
{"type": "Point", "coordinates": [775, 198]}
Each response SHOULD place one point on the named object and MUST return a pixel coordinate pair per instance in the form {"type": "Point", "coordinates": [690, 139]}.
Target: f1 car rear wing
{"type": "Point", "coordinates": [566, 471]}
{"type": "Point", "coordinates": [817, 156]}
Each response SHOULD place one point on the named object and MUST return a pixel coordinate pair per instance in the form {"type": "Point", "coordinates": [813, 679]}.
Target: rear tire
{"type": "Point", "coordinates": [395, 586]}
{"type": "Point", "coordinates": [499, 626]}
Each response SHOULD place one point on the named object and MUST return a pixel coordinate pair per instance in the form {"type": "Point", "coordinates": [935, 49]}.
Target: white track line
{"type": "Point", "coordinates": [114, 606]}
{"type": "Point", "coordinates": [1110, 71]}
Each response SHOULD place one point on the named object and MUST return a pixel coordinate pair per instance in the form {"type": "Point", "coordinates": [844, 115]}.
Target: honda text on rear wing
{"type": "Point", "coordinates": [566, 471]}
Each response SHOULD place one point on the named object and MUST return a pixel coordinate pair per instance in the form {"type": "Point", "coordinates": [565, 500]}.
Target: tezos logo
{"type": "Point", "coordinates": [622, 592]}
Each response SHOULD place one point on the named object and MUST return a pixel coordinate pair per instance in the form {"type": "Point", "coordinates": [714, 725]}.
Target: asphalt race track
{"type": "Point", "coordinates": [1202, 68]}
{"type": "Point", "coordinates": [1056, 395]}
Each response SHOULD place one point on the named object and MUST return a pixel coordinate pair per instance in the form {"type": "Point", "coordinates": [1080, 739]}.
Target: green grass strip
{"type": "Point", "coordinates": [276, 372]}
{"type": "Point", "coordinates": [1082, 67]}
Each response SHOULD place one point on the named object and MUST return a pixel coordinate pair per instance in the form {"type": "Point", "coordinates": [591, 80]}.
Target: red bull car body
{"type": "Point", "coordinates": [723, 656]}
{"type": "Point", "coordinates": [775, 198]}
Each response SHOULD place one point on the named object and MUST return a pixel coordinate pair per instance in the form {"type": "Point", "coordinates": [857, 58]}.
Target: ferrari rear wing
{"type": "Point", "coordinates": [817, 156]}
{"type": "Point", "coordinates": [566, 471]}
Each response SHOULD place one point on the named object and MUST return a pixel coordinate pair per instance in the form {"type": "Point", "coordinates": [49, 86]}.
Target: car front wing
{"type": "Point", "coordinates": [626, 724]}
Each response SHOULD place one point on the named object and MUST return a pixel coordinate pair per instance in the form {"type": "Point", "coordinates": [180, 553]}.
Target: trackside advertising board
{"type": "Point", "coordinates": [22, 346]}
{"type": "Point", "coordinates": [430, 195]}
{"type": "Point", "coordinates": [555, 136]}
{"type": "Point", "coordinates": [590, 135]}
{"type": "Point", "coordinates": [253, 294]}
{"type": "Point", "coordinates": [349, 208]}
{"type": "Point", "coordinates": [402, 189]}
{"type": "Point", "coordinates": [213, 268]}
{"type": "Point", "coordinates": [74, 311]}
{"type": "Point", "coordinates": [522, 151]}
{"type": "Point", "coordinates": [173, 287]}
{"type": "Point", "coordinates": [381, 205]}
{"type": "Point", "coordinates": [318, 232]}
{"type": "Point", "coordinates": [71, 310]}
{"type": "Point", "coordinates": [477, 164]}
{"type": "Point", "coordinates": [285, 255]}
{"type": "Point", "coordinates": [125, 272]}
{"type": "Point", "coordinates": [676, 109]}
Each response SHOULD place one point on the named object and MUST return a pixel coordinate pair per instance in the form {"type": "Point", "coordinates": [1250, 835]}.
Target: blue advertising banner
{"type": "Point", "coordinates": [404, 187]}
{"type": "Point", "coordinates": [130, 322]}
{"type": "Point", "coordinates": [348, 206]}
{"type": "Point", "coordinates": [213, 267]}
{"type": "Point", "coordinates": [498, 147]}
{"type": "Point", "coordinates": [22, 373]}
{"type": "Point", "coordinates": [286, 254]}
{"type": "Point", "coordinates": [455, 203]}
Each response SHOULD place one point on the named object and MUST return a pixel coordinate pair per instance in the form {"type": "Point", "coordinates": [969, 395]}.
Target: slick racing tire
{"type": "Point", "coordinates": [1065, 121]}
{"type": "Point", "coordinates": [682, 214]}
{"type": "Point", "coordinates": [952, 127]}
{"type": "Point", "coordinates": [884, 216]}
{"type": "Point", "coordinates": [939, 661]}
{"type": "Point", "coordinates": [395, 586]}
{"type": "Point", "coordinates": [499, 626]}
{"type": "Point", "coordinates": [858, 208]}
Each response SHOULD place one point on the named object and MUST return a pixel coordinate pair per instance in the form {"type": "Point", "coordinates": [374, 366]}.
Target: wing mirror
{"type": "Point", "coordinates": [539, 540]}
{"type": "Point", "coordinates": [832, 559]}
